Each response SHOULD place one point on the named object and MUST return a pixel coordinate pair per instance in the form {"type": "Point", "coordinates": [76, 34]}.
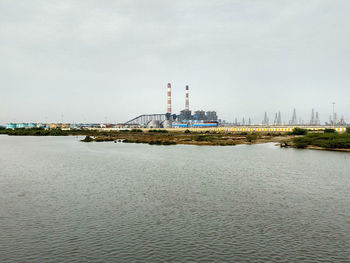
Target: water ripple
{"type": "Point", "coordinates": [73, 202]}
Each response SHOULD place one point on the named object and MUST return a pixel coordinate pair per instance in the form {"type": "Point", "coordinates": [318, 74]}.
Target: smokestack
{"type": "Point", "coordinates": [187, 107]}
{"type": "Point", "coordinates": [169, 98]}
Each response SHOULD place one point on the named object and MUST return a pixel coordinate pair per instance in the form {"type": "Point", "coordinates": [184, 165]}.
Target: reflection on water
{"type": "Point", "coordinates": [66, 201]}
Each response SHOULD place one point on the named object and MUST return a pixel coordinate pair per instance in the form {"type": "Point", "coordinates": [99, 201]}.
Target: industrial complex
{"type": "Point", "coordinates": [198, 119]}
{"type": "Point", "coordinates": [185, 118]}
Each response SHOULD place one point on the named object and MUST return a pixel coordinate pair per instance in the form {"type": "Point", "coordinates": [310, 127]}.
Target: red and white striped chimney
{"type": "Point", "coordinates": [187, 106]}
{"type": "Point", "coordinates": [169, 98]}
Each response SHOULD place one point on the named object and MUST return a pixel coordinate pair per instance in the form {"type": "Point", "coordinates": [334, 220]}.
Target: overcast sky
{"type": "Point", "coordinates": [95, 60]}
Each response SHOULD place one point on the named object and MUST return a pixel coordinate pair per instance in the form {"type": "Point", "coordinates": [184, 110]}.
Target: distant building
{"type": "Point", "coordinates": [199, 115]}
{"type": "Point", "coordinates": [11, 126]}
{"type": "Point", "coordinates": [185, 115]}
{"type": "Point", "coordinates": [211, 116]}
{"type": "Point", "coordinates": [59, 126]}
{"type": "Point", "coordinates": [22, 125]}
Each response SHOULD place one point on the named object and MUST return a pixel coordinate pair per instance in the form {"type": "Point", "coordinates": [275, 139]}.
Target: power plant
{"type": "Point", "coordinates": [185, 118]}
{"type": "Point", "coordinates": [198, 119]}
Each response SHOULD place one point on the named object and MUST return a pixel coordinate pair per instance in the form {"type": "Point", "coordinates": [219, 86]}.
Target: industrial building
{"type": "Point", "coordinates": [185, 118]}
{"type": "Point", "coordinates": [62, 126]}
{"type": "Point", "coordinates": [200, 118]}
{"type": "Point", "coordinates": [25, 125]}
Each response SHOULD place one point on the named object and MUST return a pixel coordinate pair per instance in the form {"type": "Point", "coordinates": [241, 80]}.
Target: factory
{"type": "Point", "coordinates": [184, 119]}
{"type": "Point", "coordinates": [199, 118]}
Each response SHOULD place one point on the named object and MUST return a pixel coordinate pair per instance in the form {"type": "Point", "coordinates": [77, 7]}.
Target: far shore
{"type": "Point", "coordinates": [299, 138]}
{"type": "Point", "coordinates": [159, 137]}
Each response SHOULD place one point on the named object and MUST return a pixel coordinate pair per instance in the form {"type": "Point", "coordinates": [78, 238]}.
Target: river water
{"type": "Point", "coordinates": [66, 201]}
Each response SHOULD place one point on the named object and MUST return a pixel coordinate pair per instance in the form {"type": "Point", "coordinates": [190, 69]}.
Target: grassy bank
{"type": "Point", "coordinates": [324, 140]}
{"type": "Point", "coordinates": [157, 137]}
{"type": "Point", "coordinates": [50, 132]}
{"type": "Point", "coordinates": [299, 138]}
{"type": "Point", "coordinates": [35, 132]}
{"type": "Point", "coordinates": [154, 137]}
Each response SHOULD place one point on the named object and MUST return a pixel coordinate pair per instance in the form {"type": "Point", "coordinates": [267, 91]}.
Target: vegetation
{"type": "Point", "coordinates": [329, 131]}
{"type": "Point", "coordinates": [157, 142]}
{"type": "Point", "coordinates": [324, 140]}
{"type": "Point", "coordinates": [150, 142]}
{"type": "Point", "coordinates": [136, 130]}
{"type": "Point", "coordinates": [328, 139]}
{"type": "Point", "coordinates": [158, 131]}
{"type": "Point", "coordinates": [88, 139]}
{"type": "Point", "coordinates": [298, 131]}
{"type": "Point", "coordinates": [37, 132]}
{"type": "Point", "coordinates": [348, 129]}
{"type": "Point", "coordinates": [201, 138]}
{"type": "Point", "coordinates": [104, 139]}
{"type": "Point", "coordinates": [252, 137]}
{"type": "Point", "coordinates": [56, 132]}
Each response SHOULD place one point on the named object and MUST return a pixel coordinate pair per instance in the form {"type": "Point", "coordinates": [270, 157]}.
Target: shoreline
{"type": "Point", "coordinates": [312, 141]}
{"type": "Point", "coordinates": [327, 149]}
{"type": "Point", "coordinates": [199, 139]}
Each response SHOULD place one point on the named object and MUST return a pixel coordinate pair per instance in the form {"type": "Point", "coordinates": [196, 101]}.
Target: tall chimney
{"type": "Point", "coordinates": [187, 107]}
{"type": "Point", "coordinates": [169, 98]}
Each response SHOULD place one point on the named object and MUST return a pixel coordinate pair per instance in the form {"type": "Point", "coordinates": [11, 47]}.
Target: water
{"type": "Point", "coordinates": [66, 201]}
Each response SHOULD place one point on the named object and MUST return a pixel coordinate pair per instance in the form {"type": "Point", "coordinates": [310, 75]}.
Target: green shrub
{"type": "Point", "coordinates": [348, 129]}
{"type": "Point", "coordinates": [251, 137]}
{"type": "Point", "coordinates": [136, 130]}
{"type": "Point", "coordinates": [324, 140]}
{"type": "Point", "coordinates": [201, 138]}
{"type": "Point", "coordinates": [329, 131]}
{"type": "Point", "coordinates": [158, 131]}
{"type": "Point", "coordinates": [299, 131]}
{"type": "Point", "coordinates": [155, 142]}
{"type": "Point", "coordinates": [301, 142]}
{"type": "Point", "coordinates": [87, 139]}
{"type": "Point", "coordinates": [38, 132]}
{"type": "Point", "coordinates": [169, 143]}
{"type": "Point", "coordinates": [104, 139]}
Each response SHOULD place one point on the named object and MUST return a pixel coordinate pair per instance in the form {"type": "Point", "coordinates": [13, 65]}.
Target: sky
{"type": "Point", "coordinates": [98, 61]}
